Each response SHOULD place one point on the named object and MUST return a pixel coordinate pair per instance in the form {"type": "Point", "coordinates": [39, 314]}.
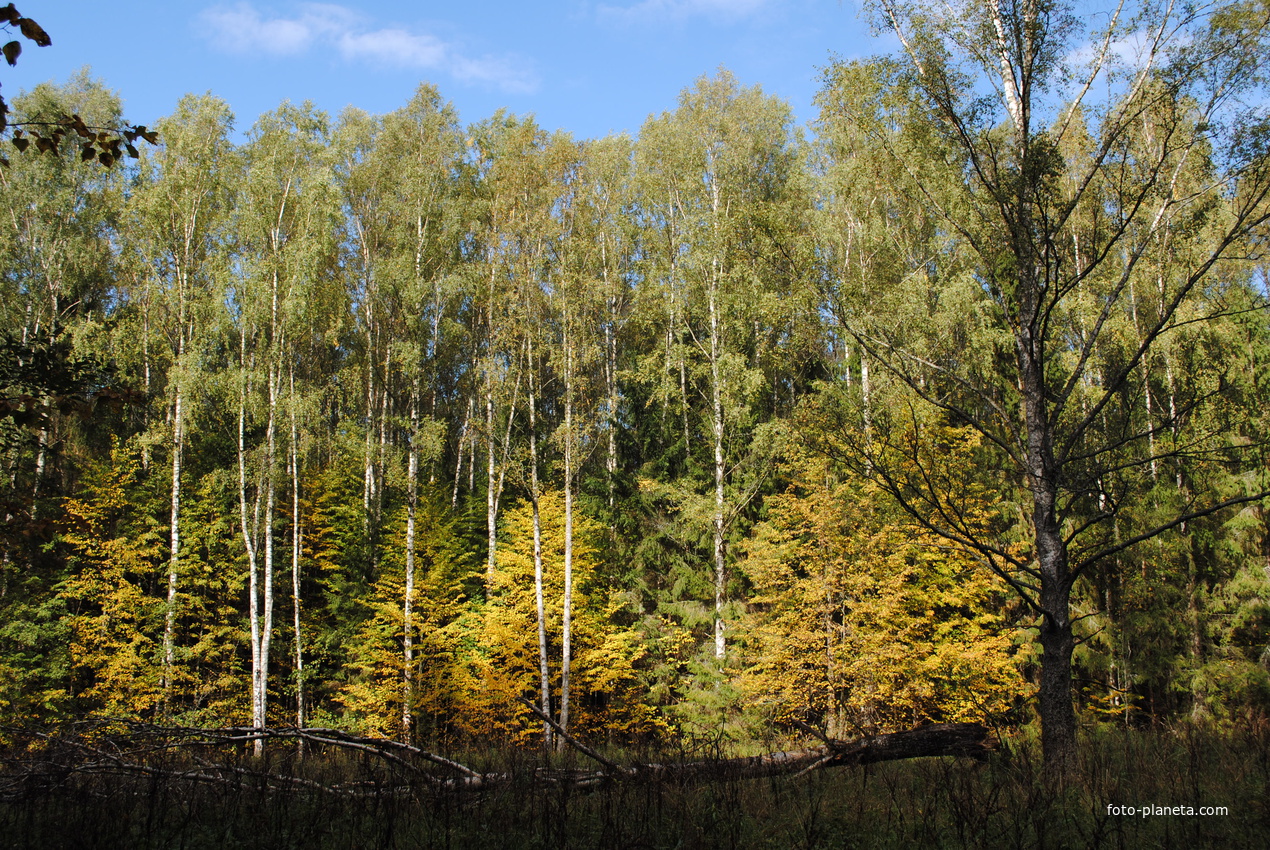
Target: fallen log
{"type": "Point", "coordinates": [970, 740]}
{"type": "Point", "coordinates": [87, 751]}
{"type": "Point", "coordinates": [942, 739]}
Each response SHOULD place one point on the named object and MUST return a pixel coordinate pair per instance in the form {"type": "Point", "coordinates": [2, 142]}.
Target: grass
{"type": "Point", "coordinates": [938, 803]}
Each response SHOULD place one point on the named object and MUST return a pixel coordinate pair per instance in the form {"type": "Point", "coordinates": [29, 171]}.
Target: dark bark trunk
{"type": "Point", "coordinates": [1058, 719]}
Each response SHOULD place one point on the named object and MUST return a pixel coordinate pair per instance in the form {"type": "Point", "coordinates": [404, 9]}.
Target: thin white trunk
{"type": "Point", "coordinates": [249, 544]}
{"type": "Point", "coordinates": [174, 520]}
{"type": "Point", "coordinates": [266, 626]}
{"type": "Point", "coordinates": [610, 378]}
{"type": "Point", "coordinates": [683, 401]}
{"type": "Point", "coordinates": [471, 461]}
{"type": "Point", "coordinates": [381, 465]}
{"type": "Point", "coordinates": [434, 342]}
{"type": "Point", "coordinates": [491, 492]}
{"type": "Point", "coordinates": [368, 474]}
{"type": "Point", "coordinates": [495, 481]}
{"type": "Point", "coordinates": [297, 547]}
{"type": "Point", "coordinates": [145, 367]}
{"type": "Point", "coordinates": [566, 628]}
{"type": "Point", "coordinates": [543, 668]}
{"type": "Point", "coordinates": [458, 466]}
{"type": "Point", "coordinates": [1146, 382]}
{"type": "Point", "coordinates": [407, 603]}
{"type": "Point", "coordinates": [41, 461]}
{"type": "Point", "coordinates": [174, 551]}
{"type": "Point", "coordinates": [716, 380]}
{"type": "Point", "coordinates": [491, 498]}
{"type": "Point", "coordinates": [866, 390]}
{"type": "Point", "coordinates": [719, 576]}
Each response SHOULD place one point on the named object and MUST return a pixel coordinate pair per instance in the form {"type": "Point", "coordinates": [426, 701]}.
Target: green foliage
{"type": "Point", "coordinates": [374, 691]}
{"type": "Point", "coordinates": [377, 298]}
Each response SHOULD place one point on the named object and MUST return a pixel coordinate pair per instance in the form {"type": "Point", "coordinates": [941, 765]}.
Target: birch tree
{"type": "Point", "coordinates": [722, 185]}
{"type": "Point", "coordinates": [180, 212]}
{"type": "Point", "coordinates": [286, 227]}
{"type": "Point", "coordinates": [419, 153]}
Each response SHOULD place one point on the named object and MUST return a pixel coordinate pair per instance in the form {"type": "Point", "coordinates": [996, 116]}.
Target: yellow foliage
{"type": "Point", "coordinates": [500, 640]}
{"type": "Point", "coordinates": [373, 695]}
{"type": "Point", "coordinates": [867, 620]}
{"type": "Point", "coordinates": [117, 619]}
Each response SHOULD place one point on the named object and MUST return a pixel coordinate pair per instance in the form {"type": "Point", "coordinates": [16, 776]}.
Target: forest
{"type": "Point", "coordinates": [949, 406]}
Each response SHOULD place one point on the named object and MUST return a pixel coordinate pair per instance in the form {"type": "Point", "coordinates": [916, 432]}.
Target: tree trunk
{"type": "Point", "coordinates": [1058, 718]}
{"type": "Point", "coordinates": [610, 383]}
{"type": "Point", "coordinates": [491, 497]}
{"type": "Point", "coordinates": [266, 626]}
{"type": "Point", "coordinates": [407, 602]}
{"type": "Point", "coordinates": [249, 543]}
{"type": "Point", "coordinates": [297, 545]}
{"type": "Point", "coordinates": [543, 667]}
{"type": "Point", "coordinates": [174, 551]}
{"type": "Point", "coordinates": [566, 628]}
{"type": "Point", "coordinates": [458, 464]}
{"type": "Point", "coordinates": [716, 381]}
{"type": "Point", "coordinates": [385, 398]}
{"type": "Point", "coordinates": [368, 473]}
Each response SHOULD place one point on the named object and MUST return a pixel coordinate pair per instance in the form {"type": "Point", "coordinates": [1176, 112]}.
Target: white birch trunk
{"type": "Point", "coordinates": [458, 465]}
{"type": "Point", "coordinates": [716, 381]}
{"type": "Point", "coordinates": [491, 498]}
{"type": "Point", "coordinates": [566, 628]}
{"type": "Point", "coordinates": [266, 626]}
{"type": "Point", "coordinates": [174, 551]}
{"type": "Point", "coordinates": [407, 603]}
{"type": "Point", "coordinates": [249, 544]}
{"type": "Point", "coordinates": [543, 667]}
{"type": "Point", "coordinates": [297, 547]}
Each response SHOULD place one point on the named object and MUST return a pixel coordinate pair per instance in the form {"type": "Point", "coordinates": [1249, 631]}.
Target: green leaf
{"type": "Point", "coordinates": [12, 51]}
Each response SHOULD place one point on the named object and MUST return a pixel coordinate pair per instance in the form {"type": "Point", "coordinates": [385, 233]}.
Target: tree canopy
{"type": "Point", "coordinates": [948, 407]}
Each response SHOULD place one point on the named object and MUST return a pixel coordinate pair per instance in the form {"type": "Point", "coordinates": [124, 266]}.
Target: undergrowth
{"type": "Point", "coordinates": [1003, 802]}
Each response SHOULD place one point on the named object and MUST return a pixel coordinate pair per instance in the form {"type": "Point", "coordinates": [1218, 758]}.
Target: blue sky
{"type": "Point", "coordinates": [586, 67]}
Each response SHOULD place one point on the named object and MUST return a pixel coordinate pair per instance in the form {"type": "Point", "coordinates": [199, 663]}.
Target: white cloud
{"type": "Point", "coordinates": [395, 47]}
{"type": "Point", "coordinates": [652, 10]}
{"type": "Point", "coordinates": [244, 29]}
{"type": "Point", "coordinates": [241, 29]}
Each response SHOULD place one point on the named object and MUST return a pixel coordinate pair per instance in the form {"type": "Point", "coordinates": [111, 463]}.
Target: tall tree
{"type": "Point", "coordinates": [994, 94]}
{"type": "Point", "coordinates": [286, 229]}
{"type": "Point", "coordinates": [181, 209]}
{"type": "Point", "coordinates": [722, 196]}
{"type": "Point", "coordinates": [418, 153]}
{"type": "Point", "coordinates": [58, 258]}
{"type": "Point", "coordinates": [589, 292]}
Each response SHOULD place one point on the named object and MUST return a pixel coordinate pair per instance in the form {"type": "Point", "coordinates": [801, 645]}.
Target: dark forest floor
{"type": "Point", "coordinates": [1002, 802]}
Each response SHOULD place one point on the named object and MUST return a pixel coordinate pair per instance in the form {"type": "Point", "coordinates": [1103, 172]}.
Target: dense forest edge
{"type": "Point", "coordinates": [949, 408]}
